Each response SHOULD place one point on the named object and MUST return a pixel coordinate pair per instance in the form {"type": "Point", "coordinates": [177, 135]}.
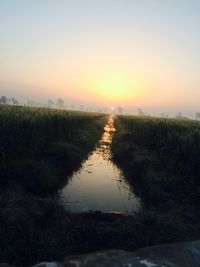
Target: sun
{"type": "Point", "coordinates": [115, 87]}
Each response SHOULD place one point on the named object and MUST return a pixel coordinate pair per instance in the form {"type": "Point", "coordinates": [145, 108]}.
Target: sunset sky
{"type": "Point", "coordinates": [132, 53]}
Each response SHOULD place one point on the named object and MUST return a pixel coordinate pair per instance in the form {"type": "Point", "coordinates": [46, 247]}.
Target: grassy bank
{"type": "Point", "coordinates": [160, 160]}
{"type": "Point", "coordinates": [41, 147]}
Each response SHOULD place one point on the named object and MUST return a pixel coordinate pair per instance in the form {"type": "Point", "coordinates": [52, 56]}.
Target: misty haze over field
{"type": "Point", "coordinates": [134, 54]}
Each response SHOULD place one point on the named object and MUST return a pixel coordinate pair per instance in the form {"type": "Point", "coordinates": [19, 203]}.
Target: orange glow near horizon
{"type": "Point", "coordinates": [102, 53]}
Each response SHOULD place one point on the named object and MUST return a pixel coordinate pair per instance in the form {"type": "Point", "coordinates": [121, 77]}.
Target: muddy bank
{"type": "Point", "coordinates": [186, 254]}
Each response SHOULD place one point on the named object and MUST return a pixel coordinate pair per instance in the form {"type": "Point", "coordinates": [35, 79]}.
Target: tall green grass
{"type": "Point", "coordinates": [160, 159]}
{"type": "Point", "coordinates": [25, 130]}
{"type": "Point", "coordinates": [40, 147]}
{"type": "Point", "coordinates": [176, 141]}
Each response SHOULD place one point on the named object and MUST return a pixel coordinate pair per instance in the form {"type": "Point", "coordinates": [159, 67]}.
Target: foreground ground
{"type": "Point", "coordinates": [185, 254]}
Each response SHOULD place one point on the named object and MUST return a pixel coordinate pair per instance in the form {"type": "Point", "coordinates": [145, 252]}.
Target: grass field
{"type": "Point", "coordinates": [160, 160]}
{"type": "Point", "coordinates": [163, 145]}
{"type": "Point", "coordinates": [39, 149]}
{"type": "Point", "coordinates": [176, 141]}
{"type": "Point", "coordinates": [38, 145]}
{"type": "Point", "coordinates": [26, 130]}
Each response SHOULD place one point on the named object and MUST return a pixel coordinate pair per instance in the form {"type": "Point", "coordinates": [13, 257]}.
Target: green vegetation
{"type": "Point", "coordinates": [26, 130]}
{"type": "Point", "coordinates": [160, 160]}
{"type": "Point", "coordinates": [176, 141]}
{"type": "Point", "coordinates": [40, 147]}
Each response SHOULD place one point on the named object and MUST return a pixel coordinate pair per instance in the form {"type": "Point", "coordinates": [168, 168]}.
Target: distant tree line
{"type": "Point", "coordinates": [6, 100]}
{"type": "Point", "coordinates": [178, 116]}
{"type": "Point", "coordinates": [59, 103]}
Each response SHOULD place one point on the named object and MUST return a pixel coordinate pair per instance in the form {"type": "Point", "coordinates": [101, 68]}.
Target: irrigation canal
{"type": "Point", "coordinates": [99, 184]}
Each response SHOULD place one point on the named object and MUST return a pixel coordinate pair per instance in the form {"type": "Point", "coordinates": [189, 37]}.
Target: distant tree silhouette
{"type": "Point", "coordinates": [14, 101]}
{"type": "Point", "coordinates": [50, 103]}
{"type": "Point", "coordinates": [4, 100]}
{"type": "Point", "coordinates": [60, 103]}
{"type": "Point", "coordinates": [120, 110]}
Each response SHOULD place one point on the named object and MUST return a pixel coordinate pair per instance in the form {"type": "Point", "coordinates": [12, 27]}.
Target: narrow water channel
{"type": "Point", "coordinates": [99, 184]}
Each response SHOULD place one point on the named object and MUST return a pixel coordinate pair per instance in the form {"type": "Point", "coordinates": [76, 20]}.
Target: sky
{"type": "Point", "coordinates": [131, 53]}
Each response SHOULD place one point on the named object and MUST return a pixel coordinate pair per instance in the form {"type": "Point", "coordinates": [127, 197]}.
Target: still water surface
{"type": "Point", "coordinates": [99, 184]}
